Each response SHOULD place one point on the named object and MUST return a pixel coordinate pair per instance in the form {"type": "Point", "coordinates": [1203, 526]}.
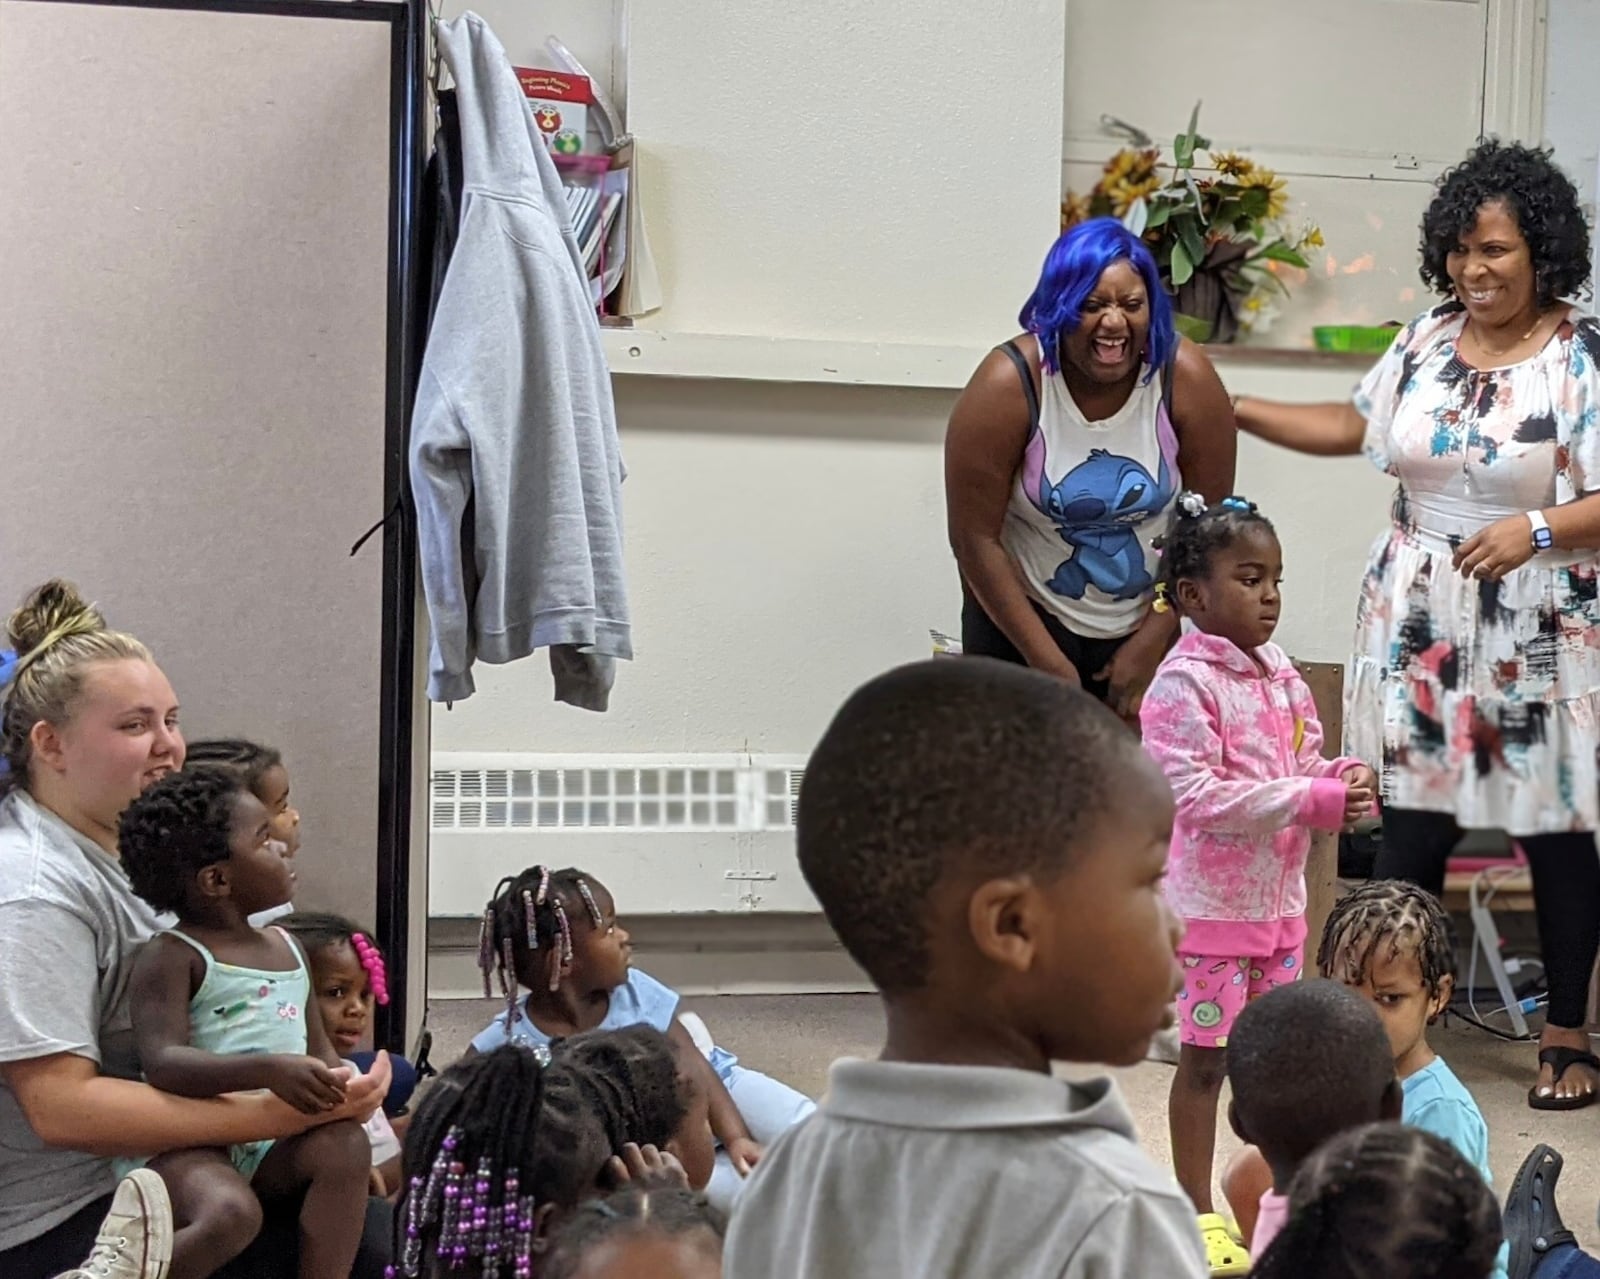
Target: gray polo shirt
{"type": "Point", "coordinates": [949, 1172]}
{"type": "Point", "coordinates": [69, 926]}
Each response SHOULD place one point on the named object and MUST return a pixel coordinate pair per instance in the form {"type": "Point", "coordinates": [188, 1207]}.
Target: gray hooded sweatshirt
{"type": "Point", "coordinates": [514, 423]}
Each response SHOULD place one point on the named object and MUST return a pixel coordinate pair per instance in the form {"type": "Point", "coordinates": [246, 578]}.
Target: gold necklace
{"type": "Point", "coordinates": [1477, 337]}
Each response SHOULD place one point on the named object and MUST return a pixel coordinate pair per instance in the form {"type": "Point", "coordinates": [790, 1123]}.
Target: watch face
{"type": "Point", "coordinates": [1543, 539]}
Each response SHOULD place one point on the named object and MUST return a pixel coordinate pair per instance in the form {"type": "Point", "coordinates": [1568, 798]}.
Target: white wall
{"type": "Point", "coordinates": [787, 542]}
{"type": "Point", "coordinates": [1571, 106]}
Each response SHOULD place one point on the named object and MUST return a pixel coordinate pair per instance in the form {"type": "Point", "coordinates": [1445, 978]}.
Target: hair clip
{"type": "Point", "coordinates": [595, 917]}
{"type": "Point", "coordinates": [530, 919]}
{"type": "Point", "coordinates": [541, 1054]}
{"type": "Point", "coordinates": [1162, 604]}
{"type": "Point", "coordinates": [1191, 504]}
{"type": "Point", "coordinates": [1237, 504]}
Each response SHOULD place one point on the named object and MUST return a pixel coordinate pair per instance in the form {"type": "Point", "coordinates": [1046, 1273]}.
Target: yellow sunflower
{"type": "Point", "coordinates": [1232, 164]}
{"type": "Point", "coordinates": [1074, 209]}
{"type": "Point", "coordinates": [1276, 188]}
{"type": "Point", "coordinates": [1129, 175]}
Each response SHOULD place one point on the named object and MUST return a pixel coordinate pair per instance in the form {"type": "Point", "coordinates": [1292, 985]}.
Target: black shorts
{"type": "Point", "coordinates": [980, 637]}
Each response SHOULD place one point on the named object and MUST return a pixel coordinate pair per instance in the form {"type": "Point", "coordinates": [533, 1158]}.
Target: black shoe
{"type": "Point", "coordinates": [1532, 1222]}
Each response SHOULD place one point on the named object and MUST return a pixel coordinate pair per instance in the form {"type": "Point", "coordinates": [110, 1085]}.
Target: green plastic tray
{"type": "Point", "coordinates": [1354, 339]}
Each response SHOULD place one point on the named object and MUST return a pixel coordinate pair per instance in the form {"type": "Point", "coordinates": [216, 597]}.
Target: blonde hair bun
{"type": "Point", "coordinates": [49, 614]}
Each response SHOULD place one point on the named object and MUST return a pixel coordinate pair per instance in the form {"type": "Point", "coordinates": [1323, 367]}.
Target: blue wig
{"type": "Point", "coordinates": [1073, 267]}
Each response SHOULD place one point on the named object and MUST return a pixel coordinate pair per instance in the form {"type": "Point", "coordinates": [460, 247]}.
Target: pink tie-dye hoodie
{"type": "Point", "coordinates": [1243, 754]}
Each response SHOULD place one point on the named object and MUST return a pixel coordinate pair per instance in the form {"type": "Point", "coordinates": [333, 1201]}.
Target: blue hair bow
{"type": "Point", "coordinates": [8, 664]}
{"type": "Point", "coordinates": [1237, 504]}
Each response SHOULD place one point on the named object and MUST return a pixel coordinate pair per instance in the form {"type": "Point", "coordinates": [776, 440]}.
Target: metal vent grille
{"type": "Point", "coordinates": [523, 793]}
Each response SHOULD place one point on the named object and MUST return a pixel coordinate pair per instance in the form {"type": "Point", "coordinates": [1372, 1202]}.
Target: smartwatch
{"type": "Point", "coordinates": [1543, 538]}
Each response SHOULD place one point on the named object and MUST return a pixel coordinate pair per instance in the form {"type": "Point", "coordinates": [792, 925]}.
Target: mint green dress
{"type": "Point", "coordinates": [247, 1010]}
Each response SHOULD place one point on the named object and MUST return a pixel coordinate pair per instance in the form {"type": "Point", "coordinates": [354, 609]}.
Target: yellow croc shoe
{"type": "Point", "coordinates": [1224, 1254]}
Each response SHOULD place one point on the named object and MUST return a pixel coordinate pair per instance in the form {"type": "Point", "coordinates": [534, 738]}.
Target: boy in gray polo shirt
{"type": "Point", "coordinates": [988, 843]}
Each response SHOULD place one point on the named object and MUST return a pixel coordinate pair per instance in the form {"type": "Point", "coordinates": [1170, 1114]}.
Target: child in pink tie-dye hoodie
{"type": "Point", "coordinates": [1235, 730]}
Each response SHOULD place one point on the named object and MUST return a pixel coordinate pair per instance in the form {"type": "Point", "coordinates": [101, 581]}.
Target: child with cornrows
{"type": "Point", "coordinates": [555, 935]}
{"type": "Point", "coordinates": [1234, 728]}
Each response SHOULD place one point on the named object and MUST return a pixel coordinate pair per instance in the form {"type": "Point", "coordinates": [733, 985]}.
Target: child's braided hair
{"type": "Point", "coordinates": [1390, 1200]}
{"type": "Point", "coordinates": [318, 930]}
{"type": "Point", "coordinates": [635, 1211]}
{"type": "Point", "coordinates": [1198, 531]}
{"type": "Point", "coordinates": [249, 759]}
{"type": "Point", "coordinates": [499, 1136]}
{"type": "Point", "coordinates": [1391, 916]}
{"type": "Point", "coordinates": [632, 1078]}
{"type": "Point", "coordinates": [527, 913]}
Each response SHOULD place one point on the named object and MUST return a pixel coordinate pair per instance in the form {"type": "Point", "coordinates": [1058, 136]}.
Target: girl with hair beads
{"type": "Point", "coordinates": [220, 1006]}
{"type": "Point", "coordinates": [555, 934]}
{"type": "Point", "coordinates": [262, 770]}
{"type": "Point", "coordinates": [348, 970]}
{"type": "Point", "coordinates": [505, 1146]}
{"type": "Point", "coordinates": [347, 978]}
{"type": "Point", "coordinates": [1389, 1200]}
{"type": "Point", "coordinates": [1235, 730]}
{"type": "Point", "coordinates": [647, 1092]}
{"type": "Point", "coordinates": [641, 1230]}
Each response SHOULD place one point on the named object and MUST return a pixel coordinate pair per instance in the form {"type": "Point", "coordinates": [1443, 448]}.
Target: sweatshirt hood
{"type": "Point", "coordinates": [500, 150]}
{"type": "Point", "coordinates": [1200, 647]}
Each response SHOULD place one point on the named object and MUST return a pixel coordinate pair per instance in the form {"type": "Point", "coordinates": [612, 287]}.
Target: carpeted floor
{"type": "Point", "coordinates": [795, 1037]}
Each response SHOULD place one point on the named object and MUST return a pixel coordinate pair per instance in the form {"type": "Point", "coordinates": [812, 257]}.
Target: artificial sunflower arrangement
{"type": "Point", "coordinates": [1220, 235]}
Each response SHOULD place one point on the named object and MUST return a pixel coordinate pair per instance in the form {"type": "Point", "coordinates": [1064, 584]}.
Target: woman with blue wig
{"type": "Point", "coordinates": [1063, 459]}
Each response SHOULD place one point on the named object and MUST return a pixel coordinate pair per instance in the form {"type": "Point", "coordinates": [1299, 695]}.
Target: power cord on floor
{"type": "Point", "coordinates": [1532, 993]}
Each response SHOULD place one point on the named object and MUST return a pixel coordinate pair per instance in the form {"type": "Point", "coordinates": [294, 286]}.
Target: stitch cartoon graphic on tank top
{"type": "Point", "coordinates": [1096, 507]}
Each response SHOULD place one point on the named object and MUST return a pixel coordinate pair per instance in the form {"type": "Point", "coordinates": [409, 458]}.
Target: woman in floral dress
{"type": "Point", "coordinates": [1475, 683]}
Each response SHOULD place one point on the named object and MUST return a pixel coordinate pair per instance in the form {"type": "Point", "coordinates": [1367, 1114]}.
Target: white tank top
{"type": "Point", "coordinates": [1088, 501]}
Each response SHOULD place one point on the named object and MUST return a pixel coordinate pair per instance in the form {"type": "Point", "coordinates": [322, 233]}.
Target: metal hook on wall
{"type": "Point", "coordinates": [1122, 129]}
{"type": "Point", "coordinates": [435, 16]}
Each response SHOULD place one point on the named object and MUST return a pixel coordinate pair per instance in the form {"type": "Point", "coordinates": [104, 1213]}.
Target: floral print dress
{"type": "Point", "coordinates": [1481, 699]}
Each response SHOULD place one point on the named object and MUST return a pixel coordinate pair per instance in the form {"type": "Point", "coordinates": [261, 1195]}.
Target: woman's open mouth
{"type": "Point", "coordinates": [1109, 351]}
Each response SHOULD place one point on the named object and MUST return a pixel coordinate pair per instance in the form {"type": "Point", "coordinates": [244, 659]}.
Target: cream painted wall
{"type": "Point", "coordinates": [787, 542]}
{"type": "Point", "coordinates": [845, 171]}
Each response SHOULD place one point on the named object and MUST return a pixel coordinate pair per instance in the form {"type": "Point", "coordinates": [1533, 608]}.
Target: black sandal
{"type": "Point", "coordinates": [1533, 1224]}
{"type": "Point", "coordinates": [1561, 1060]}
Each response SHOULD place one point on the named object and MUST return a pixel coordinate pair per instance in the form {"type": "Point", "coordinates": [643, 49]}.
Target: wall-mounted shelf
{"type": "Point", "coordinates": [655, 353]}
{"type": "Point", "coordinates": [739, 357]}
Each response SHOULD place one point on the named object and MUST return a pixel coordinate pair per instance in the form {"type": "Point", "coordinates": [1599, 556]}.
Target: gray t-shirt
{"type": "Point", "coordinates": [70, 925]}
{"type": "Point", "coordinates": [913, 1171]}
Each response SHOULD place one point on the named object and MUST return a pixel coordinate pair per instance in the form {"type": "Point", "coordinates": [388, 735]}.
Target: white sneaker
{"type": "Point", "coordinates": [135, 1240]}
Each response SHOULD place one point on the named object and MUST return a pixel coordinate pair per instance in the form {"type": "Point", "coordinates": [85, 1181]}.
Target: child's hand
{"type": "Point", "coordinates": [745, 1152]}
{"type": "Point", "coordinates": [645, 1165]}
{"type": "Point", "coordinates": [1361, 789]}
{"type": "Point", "coordinates": [309, 1085]}
{"type": "Point", "coordinates": [1361, 775]}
